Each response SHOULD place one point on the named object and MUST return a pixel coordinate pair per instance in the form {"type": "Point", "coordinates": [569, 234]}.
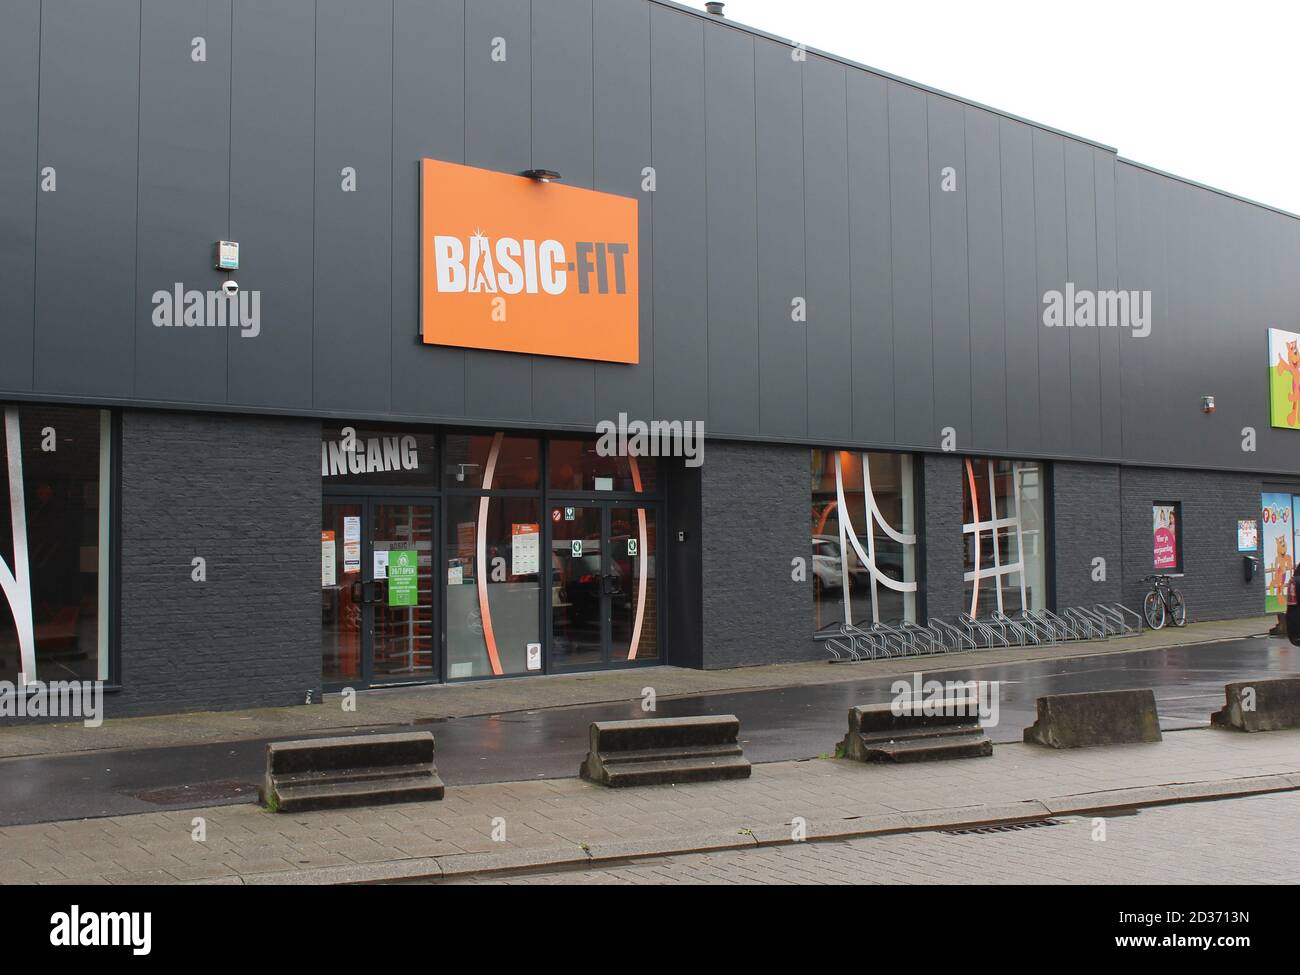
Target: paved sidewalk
{"type": "Point", "coordinates": [1232, 841]}
{"type": "Point", "coordinates": [398, 706]}
{"type": "Point", "coordinates": [567, 821]}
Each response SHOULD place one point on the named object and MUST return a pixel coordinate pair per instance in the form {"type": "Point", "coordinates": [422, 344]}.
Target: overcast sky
{"type": "Point", "coordinates": [1207, 91]}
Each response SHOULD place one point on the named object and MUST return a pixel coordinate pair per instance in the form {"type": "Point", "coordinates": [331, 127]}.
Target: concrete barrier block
{"type": "Point", "coordinates": [657, 751]}
{"type": "Point", "coordinates": [919, 731]}
{"type": "Point", "coordinates": [356, 770]}
{"type": "Point", "coordinates": [1095, 718]}
{"type": "Point", "coordinates": [1260, 705]}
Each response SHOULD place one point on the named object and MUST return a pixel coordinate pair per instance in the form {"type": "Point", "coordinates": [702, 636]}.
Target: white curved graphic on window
{"type": "Point", "coordinates": [16, 582]}
{"type": "Point", "coordinates": [480, 570]}
{"type": "Point", "coordinates": [993, 525]}
{"type": "Point", "coordinates": [642, 557]}
{"type": "Point", "coordinates": [868, 557]}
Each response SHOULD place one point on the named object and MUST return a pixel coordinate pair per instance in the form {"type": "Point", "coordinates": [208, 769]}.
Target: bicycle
{"type": "Point", "coordinates": [1162, 603]}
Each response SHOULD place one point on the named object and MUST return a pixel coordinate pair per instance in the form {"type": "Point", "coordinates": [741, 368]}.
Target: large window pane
{"type": "Point", "coordinates": [1005, 540]}
{"type": "Point", "coordinates": [61, 457]}
{"type": "Point", "coordinates": [874, 580]}
{"type": "Point", "coordinates": [515, 461]}
{"type": "Point", "coordinates": [576, 466]}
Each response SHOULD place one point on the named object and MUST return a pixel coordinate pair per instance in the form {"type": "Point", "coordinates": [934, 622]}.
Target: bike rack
{"type": "Point", "coordinates": [1063, 629]}
{"type": "Point", "coordinates": [1030, 627]}
{"type": "Point", "coordinates": [1023, 636]}
{"type": "Point", "coordinates": [868, 645]}
{"type": "Point", "coordinates": [923, 638]}
{"type": "Point", "coordinates": [1113, 622]}
{"type": "Point", "coordinates": [1086, 626]}
{"type": "Point", "coordinates": [888, 635]}
{"type": "Point", "coordinates": [947, 631]}
{"type": "Point", "coordinates": [982, 627]}
{"type": "Point", "coordinates": [1138, 624]}
{"type": "Point", "coordinates": [1039, 630]}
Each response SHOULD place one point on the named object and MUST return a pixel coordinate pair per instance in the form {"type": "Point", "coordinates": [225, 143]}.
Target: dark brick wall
{"type": "Point", "coordinates": [942, 586]}
{"type": "Point", "coordinates": [244, 493]}
{"type": "Point", "coordinates": [756, 509]}
{"type": "Point", "coordinates": [1213, 584]}
{"type": "Point", "coordinates": [1086, 510]}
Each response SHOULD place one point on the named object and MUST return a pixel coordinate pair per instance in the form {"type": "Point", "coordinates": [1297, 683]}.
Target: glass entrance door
{"type": "Point", "coordinates": [604, 590]}
{"type": "Point", "coordinates": [377, 591]}
{"type": "Point", "coordinates": [402, 634]}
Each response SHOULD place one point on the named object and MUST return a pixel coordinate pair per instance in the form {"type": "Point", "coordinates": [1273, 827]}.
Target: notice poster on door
{"type": "Point", "coordinates": [1165, 519]}
{"type": "Point", "coordinates": [351, 544]}
{"type": "Point", "coordinates": [328, 570]}
{"type": "Point", "coordinates": [525, 546]}
{"type": "Point", "coordinates": [403, 578]}
{"type": "Point", "coordinates": [1278, 550]}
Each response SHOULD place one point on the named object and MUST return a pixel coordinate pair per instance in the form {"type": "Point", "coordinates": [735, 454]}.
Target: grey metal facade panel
{"type": "Point", "coordinates": [733, 223]}
{"type": "Point", "coordinates": [949, 269]}
{"type": "Point", "coordinates": [1022, 308]}
{"type": "Point", "coordinates": [498, 135]}
{"type": "Point", "coordinates": [354, 132]}
{"type": "Point", "coordinates": [677, 128]}
{"type": "Point", "coordinates": [564, 390]}
{"type": "Point", "coordinates": [777, 179]}
{"type": "Point", "coordinates": [272, 191]}
{"type": "Point", "coordinates": [826, 250]}
{"type": "Point", "coordinates": [428, 122]}
{"type": "Point", "coordinates": [1081, 269]}
{"type": "Point", "coordinates": [909, 186]}
{"type": "Point", "coordinates": [86, 229]}
{"type": "Point", "coordinates": [20, 68]}
{"type": "Point", "coordinates": [782, 341]}
{"type": "Point", "coordinates": [184, 196]}
{"type": "Point", "coordinates": [981, 188]}
{"type": "Point", "coordinates": [1053, 374]}
{"type": "Point", "coordinates": [1112, 406]}
{"type": "Point", "coordinates": [871, 258]}
{"type": "Point", "coordinates": [1129, 255]}
{"type": "Point", "coordinates": [621, 108]}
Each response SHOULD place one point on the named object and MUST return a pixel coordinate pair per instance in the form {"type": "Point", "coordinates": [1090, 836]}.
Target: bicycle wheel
{"type": "Point", "coordinates": [1153, 608]}
{"type": "Point", "coordinates": [1177, 608]}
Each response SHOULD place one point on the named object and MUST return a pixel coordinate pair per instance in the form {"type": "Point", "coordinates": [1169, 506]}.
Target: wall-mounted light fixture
{"type": "Point", "coordinates": [1207, 404]}
{"type": "Point", "coordinates": [541, 175]}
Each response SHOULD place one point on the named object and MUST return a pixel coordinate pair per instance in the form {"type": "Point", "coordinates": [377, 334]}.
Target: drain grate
{"type": "Point", "coordinates": [1004, 828]}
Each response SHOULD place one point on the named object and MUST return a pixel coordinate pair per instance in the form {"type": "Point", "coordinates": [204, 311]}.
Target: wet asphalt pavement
{"type": "Point", "coordinates": [776, 725]}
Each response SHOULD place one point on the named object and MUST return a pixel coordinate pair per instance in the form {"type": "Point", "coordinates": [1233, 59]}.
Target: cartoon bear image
{"type": "Point", "coordinates": [1280, 570]}
{"type": "Point", "coordinates": [1290, 365]}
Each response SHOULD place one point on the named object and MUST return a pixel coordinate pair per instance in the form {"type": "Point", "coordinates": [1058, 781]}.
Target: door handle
{"type": "Point", "coordinates": [612, 585]}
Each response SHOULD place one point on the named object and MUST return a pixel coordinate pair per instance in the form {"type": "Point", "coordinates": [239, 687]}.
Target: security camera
{"type": "Point", "coordinates": [231, 287]}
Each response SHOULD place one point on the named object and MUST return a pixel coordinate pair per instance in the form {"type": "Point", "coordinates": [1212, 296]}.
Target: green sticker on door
{"type": "Point", "coordinates": [403, 578]}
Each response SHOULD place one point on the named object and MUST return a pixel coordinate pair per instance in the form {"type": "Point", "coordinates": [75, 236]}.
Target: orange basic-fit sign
{"type": "Point", "coordinates": [517, 265]}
